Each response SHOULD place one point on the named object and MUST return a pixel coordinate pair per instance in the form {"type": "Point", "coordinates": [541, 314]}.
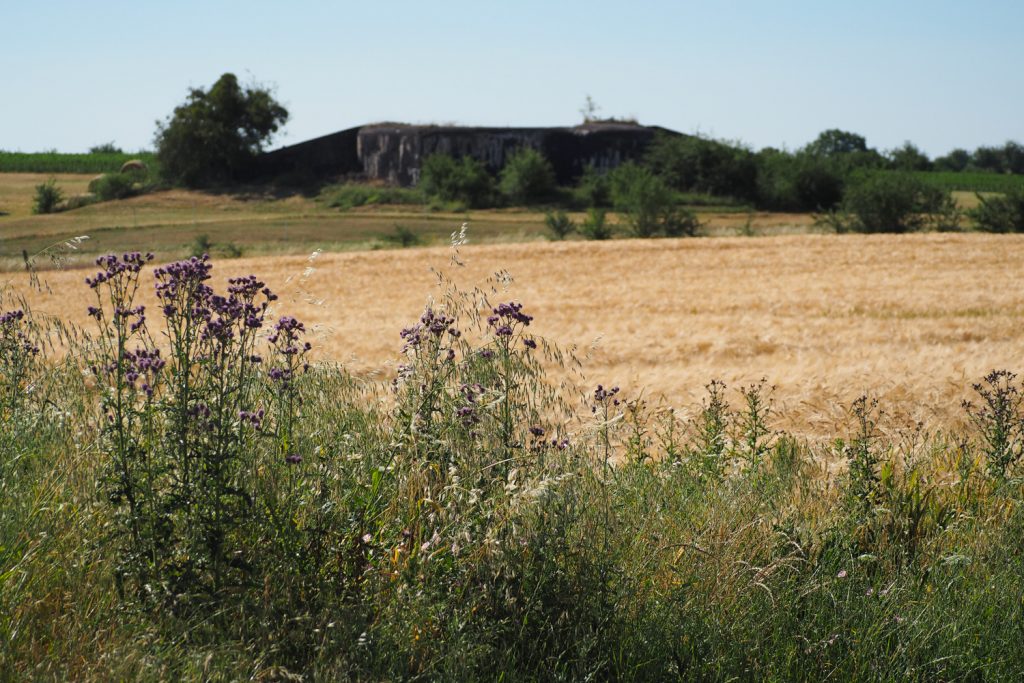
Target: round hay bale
{"type": "Point", "coordinates": [133, 166]}
{"type": "Point", "coordinates": [95, 183]}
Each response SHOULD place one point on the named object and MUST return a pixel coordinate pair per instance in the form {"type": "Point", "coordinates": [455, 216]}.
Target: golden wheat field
{"type": "Point", "coordinates": [912, 320]}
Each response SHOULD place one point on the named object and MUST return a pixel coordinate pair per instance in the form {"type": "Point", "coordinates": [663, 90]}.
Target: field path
{"type": "Point", "coordinates": [913, 320]}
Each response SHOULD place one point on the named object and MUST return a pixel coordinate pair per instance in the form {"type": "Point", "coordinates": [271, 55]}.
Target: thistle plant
{"type": "Point", "coordinates": [508, 324]}
{"type": "Point", "coordinates": [430, 347]}
{"type": "Point", "coordinates": [19, 351]}
{"type": "Point", "coordinates": [22, 399]}
{"type": "Point", "coordinates": [863, 456]}
{"type": "Point", "coordinates": [127, 377]}
{"type": "Point", "coordinates": [287, 361]}
{"type": "Point", "coordinates": [755, 436]}
{"type": "Point", "coordinates": [181, 429]}
{"type": "Point", "coordinates": [709, 454]}
{"type": "Point", "coordinates": [998, 420]}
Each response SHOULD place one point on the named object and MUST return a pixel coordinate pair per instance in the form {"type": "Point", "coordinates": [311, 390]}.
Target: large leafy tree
{"type": "Point", "coordinates": [833, 142]}
{"type": "Point", "coordinates": [216, 133]}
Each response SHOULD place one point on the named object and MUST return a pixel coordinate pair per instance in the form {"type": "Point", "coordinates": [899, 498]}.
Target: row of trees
{"type": "Point", "coordinates": [816, 177]}
{"type": "Point", "coordinates": [812, 178]}
{"type": "Point", "coordinates": [836, 176]}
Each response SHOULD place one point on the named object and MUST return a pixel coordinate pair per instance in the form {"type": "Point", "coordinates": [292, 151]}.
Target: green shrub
{"type": "Point", "coordinates": [680, 221]}
{"type": "Point", "coordinates": [695, 164]}
{"type": "Point", "coordinates": [594, 188]}
{"type": "Point", "coordinates": [350, 196]}
{"type": "Point", "coordinates": [997, 418]}
{"type": "Point", "coordinates": [559, 225]}
{"type": "Point", "coordinates": [201, 246]}
{"type": "Point", "coordinates": [403, 237]}
{"type": "Point", "coordinates": [798, 182]}
{"type": "Point", "coordinates": [649, 204]}
{"type": "Point", "coordinates": [527, 177]}
{"type": "Point", "coordinates": [232, 250]}
{"type": "Point", "coordinates": [892, 202]}
{"type": "Point", "coordinates": [595, 225]}
{"type": "Point", "coordinates": [111, 186]}
{"type": "Point", "coordinates": [1003, 213]}
{"type": "Point", "coordinates": [464, 180]}
{"type": "Point", "coordinates": [48, 196]}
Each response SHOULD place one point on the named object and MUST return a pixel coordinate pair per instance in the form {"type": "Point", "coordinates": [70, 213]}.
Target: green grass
{"type": "Point", "coordinates": [340, 218]}
{"type": "Point", "coordinates": [432, 531]}
{"type": "Point", "coordinates": [56, 162]}
{"type": "Point", "coordinates": [711, 202]}
{"type": "Point", "coordinates": [350, 196]}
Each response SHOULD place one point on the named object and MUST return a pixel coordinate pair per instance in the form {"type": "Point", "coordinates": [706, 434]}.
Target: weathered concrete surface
{"type": "Point", "coordinates": [329, 156]}
{"type": "Point", "coordinates": [394, 152]}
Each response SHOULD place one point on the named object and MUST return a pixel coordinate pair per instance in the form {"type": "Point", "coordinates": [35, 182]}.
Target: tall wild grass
{"type": "Point", "coordinates": [183, 495]}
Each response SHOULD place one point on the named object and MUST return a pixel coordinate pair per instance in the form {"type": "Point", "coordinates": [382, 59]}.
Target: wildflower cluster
{"type": "Point", "coordinates": [602, 397]}
{"type": "Point", "coordinates": [431, 325]}
{"type": "Point", "coordinates": [538, 440]}
{"type": "Point", "coordinates": [505, 318]}
{"type": "Point", "coordinates": [115, 268]}
{"type": "Point", "coordinates": [182, 283]}
{"type": "Point", "coordinates": [144, 364]}
{"type": "Point", "coordinates": [188, 301]}
{"type": "Point", "coordinates": [115, 287]}
{"type": "Point", "coordinates": [252, 418]}
{"type": "Point", "coordinates": [467, 413]}
{"type": "Point", "coordinates": [13, 337]}
{"type": "Point", "coordinates": [290, 350]}
{"type": "Point", "coordinates": [18, 352]}
{"type": "Point", "coordinates": [179, 427]}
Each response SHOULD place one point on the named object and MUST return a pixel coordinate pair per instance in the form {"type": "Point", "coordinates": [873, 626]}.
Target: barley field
{"type": "Point", "coordinates": [912, 320]}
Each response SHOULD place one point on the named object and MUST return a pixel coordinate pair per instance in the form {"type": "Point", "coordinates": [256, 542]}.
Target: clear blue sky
{"type": "Point", "coordinates": [943, 74]}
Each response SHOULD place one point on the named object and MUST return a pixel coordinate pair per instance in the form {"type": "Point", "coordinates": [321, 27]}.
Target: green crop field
{"type": "Point", "coordinates": [56, 162]}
